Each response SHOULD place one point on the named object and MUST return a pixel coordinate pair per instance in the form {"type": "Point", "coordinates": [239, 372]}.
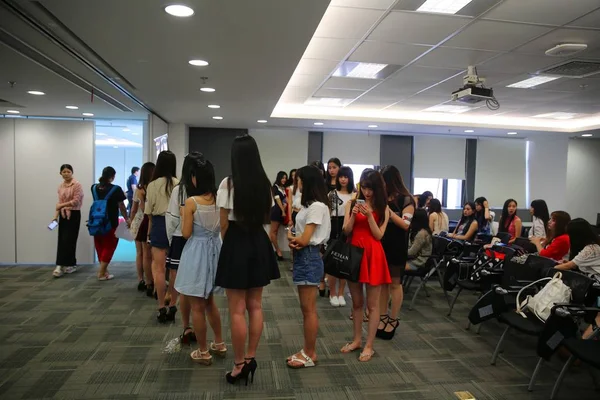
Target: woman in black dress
{"type": "Point", "coordinates": [278, 211]}
{"type": "Point", "coordinates": [395, 244]}
{"type": "Point", "coordinates": [247, 262]}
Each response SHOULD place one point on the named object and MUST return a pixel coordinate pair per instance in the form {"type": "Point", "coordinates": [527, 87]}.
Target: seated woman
{"type": "Point", "coordinates": [467, 226]}
{"type": "Point", "coordinates": [420, 241]}
{"type": "Point", "coordinates": [540, 218]}
{"type": "Point", "coordinates": [509, 222]}
{"type": "Point", "coordinates": [556, 245]}
{"type": "Point", "coordinates": [438, 220]}
{"type": "Point", "coordinates": [585, 249]}
{"type": "Point", "coordinates": [484, 216]}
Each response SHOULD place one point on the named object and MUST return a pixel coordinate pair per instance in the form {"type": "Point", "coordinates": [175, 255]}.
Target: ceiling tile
{"type": "Point", "coordinates": [387, 53]}
{"type": "Point", "coordinates": [417, 28]}
{"type": "Point", "coordinates": [338, 93]}
{"type": "Point", "coordinates": [371, 102]}
{"type": "Point", "coordinates": [329, 48]}
{"type": "Point", "coordinates": [397, 91]}
{"type": "Point", "coordinates": [541, 11]}
{"type": "Point", "coordinates": [540, 45]}
{"type": "Point", "coordinates": [309, 66]}
{"type": "Point", "coordinates": [444, 57]}
{"type": "Point", "coordinates": [592, 20]}
{"type": "Point", "coordinates": [415, 74]}
{"type": "Point", "coordinates": [311, 81]}
{"type": "Point", "coordinates": [587, 85]}
{"type": "Point", "coordinates": [494, 35]}
{"type": "Point", "coordinates": [529, 95]}
{"type": "Point", "coordinates": [513, 63]}
{"type": "Point", "coordinates": [336, 82]}
{"type": "Point", "coordinates": [347, 23]}
{"type": "Point", "coordinates": [375, 4]}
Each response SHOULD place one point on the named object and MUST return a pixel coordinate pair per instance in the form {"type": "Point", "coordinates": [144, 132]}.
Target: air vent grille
{"type": "Point", "coordinates": [574, 69]}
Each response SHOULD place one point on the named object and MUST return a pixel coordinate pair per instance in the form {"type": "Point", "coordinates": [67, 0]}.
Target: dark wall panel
{"type": "Point", "coordinates": [315, 147]}
{"type": "Point", "coordinates": [215, 144]}
{"type": "Point", "coordinates": [398, 151]}
{"type": "Point", "coordinates": [470, 165]}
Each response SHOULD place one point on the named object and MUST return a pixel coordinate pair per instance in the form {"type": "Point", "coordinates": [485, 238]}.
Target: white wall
{"type": "Point", "coordinates": [439, 157]}
{"type": "Point", "coordinates": [41, 147]}
{"type": "Point", "coordinates": [583, 185]}
{"type": "Point", "coordinates": [281, 149]}
{"type": "Point", "coordinates": [179, 143]}
{"type": "Point", "coordinates": [7, 194]}
{"type": "Point", "coordinates": [548, 170]}
{"type": "Point", "coordinates": [352, 147]}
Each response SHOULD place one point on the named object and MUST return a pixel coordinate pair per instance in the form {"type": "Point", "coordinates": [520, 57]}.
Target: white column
{"type": "Point", "coordinates": [548, 170]}
{"type": "Point", "coordinates": [178, 142]}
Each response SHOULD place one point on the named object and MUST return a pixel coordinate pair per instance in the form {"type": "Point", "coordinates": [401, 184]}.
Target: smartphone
{"type": "Point", "coordinates": [52, 225]}
{"type": "Point", "coordinates": [360, 201]}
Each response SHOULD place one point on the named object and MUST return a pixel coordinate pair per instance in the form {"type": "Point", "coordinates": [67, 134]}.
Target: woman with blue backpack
{"type": "Point", "coordinates": [104, 219]}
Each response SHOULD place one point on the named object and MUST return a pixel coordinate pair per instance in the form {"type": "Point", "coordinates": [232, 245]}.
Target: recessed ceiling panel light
{"type": "Point", "coordinates": [511, 133]}
{"type": "Point", "coordinates": [328, 101]}
{"type": "Point", "coordinates": [207, 89]}
{"type": "Point", "coordinates": [353, 69]}
{"type": "Point", "coordinates": [179, 10]}
{"type": "Point", "coordinates": [13, 112]}
{"type": "Point", "coordinates": [469, 131]}
{"type": "Point", "coordinates": [262, 121]}
{"type": "Point", "coordinates": [36, 93]}
{"type": "Point", "coordinates": [443, 6]}
{"type": "Point", "coordinates": [217, 117]}
{"type": "Point", "coordinates": [448, 108]}
{"type": "Point", "coordinates": [557, 115]}
{"type": "Point", "coordinates": [214, 106]}
{"type": "Point", "coordinates": [372, 126]}
{"type": "Point", "coordinates": [198, 63]}
{"type": "Point", "coordinates": [318, 123]}
{"type": "Point", "coordinates": [587, 135]}
{"type": "Point", "coordinates": [87, 114]}
{"type": "Point", "coordinates": [72, 107]}
{"type": "Point", "coordinates": [532, 82]}
{"type": "Point", "coordinates": [126, 130]}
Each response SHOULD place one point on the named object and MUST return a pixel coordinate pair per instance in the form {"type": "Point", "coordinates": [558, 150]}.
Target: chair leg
{"type": "Point", "coordinates": [479, 328]}
{"type": "Point", "coordinates": [454, 300]}
{"type": "Point", "coordinates": [441, 279]}
{"type": "Point", "coordinates": [535, 374]}
{"type": "Point", "coordinates": [424, 284]}
{"type": "Point", "coordinates": [499, 346]}
{"type": "Point", "coordinates": [561, 377]}
{"type": "Point", "coordinates": [409, 282]}
{"type": "Point", "coordinates": [414, 298]}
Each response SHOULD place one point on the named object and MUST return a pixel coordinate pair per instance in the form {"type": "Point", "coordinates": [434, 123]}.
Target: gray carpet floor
{"type": "Point", "coordinates": [77, 338]}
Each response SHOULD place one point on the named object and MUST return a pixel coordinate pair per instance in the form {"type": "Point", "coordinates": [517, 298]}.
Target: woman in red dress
{"type": "Point", "coordinates": [365, 222]}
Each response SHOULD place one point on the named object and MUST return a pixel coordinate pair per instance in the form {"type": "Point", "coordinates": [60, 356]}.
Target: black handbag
{"type": "Point", "coordinates": [342, 260]}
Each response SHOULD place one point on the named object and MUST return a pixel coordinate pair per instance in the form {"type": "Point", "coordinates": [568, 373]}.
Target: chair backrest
{"type": "Point", "coordinates": [580, 284]}
{"type": "Point", "coordinates": [504, 237]}
{"type": "Point", "coordinates": [439, 245]}
{"type": "Point", "coordinates": [525, 244]}
{"type": "Point", "coordinates": [535, 267]}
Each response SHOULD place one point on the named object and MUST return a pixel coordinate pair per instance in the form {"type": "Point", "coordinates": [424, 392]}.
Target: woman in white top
{"type": "Point", "coordinates": [585, 249]}
{"type": "Point", "coordinates": [541, 216]}
{"type": "Point", "coordinates": [313, 227]}
{"type": "Point", "coordinates": [247, 261]}
{"type": "Point", "coordinates": [438, 220]}
{"type": "Point", "coordinates": [338, 199]}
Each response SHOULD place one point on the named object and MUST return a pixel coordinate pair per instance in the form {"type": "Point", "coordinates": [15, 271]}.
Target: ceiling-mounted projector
{"type": "Point", "coordinates": [474, 91]}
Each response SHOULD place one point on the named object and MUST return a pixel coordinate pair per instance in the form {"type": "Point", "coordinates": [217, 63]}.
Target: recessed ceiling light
{"type": "Point", "coordinates": [443, 6]}
{"type": "Point", "coordinates": [72, 107]}
{"type": "Point", "coordinates": [532, 82]}
{"type": "Point", "coordinates": [362, 70]}
{"type": "Point", "coordinates": [328, 102]}
{"type": "Point", "coordinates": [87, 114]}
{"type": "Point", "coordinates": [198, 63]}
{"type": "Point", "coordinates": [214, 106]}
{"type": "Point", "coordinates": [207, 89]}
{"type": "Point", "coordinates": [126, 130]}
{"type": "Point", "coordinates": [262, 121]}
{"type": "Point", "coordinates": [448, 108]}
{"type": "Point", "coordinates": [557, 115]}
{"type": "Point", "coordinates": [372, 126]}
{"type": "Point", "coordinates": [511, 133]}
{"type": "Point", "coordinates": [13, 112]}
{"type": "Point", "coordinates": [36, 93]}
{"type": "Point", "coordinates": [217, 117]}
{"type": "Point", "coordinates": [318, 123]}
{"type": "Point", "coordinates": [587, 135]}
{"type": "Point", "coordinates": [179, 10]}
{"type": "Point", "coordinates": [469, 131]}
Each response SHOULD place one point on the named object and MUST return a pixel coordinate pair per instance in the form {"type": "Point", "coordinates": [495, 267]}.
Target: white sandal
{"type": "Point", "coordinates": [306, 362]}
{"type": "Point", "coordinates": [220, 352]}
{"type": "Point", "coordinates": [106, 277]}
{"type": "Point", "coordinates": [198, 356]}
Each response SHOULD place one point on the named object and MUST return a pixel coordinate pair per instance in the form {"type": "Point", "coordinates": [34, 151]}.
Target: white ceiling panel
{"type": "Point", "coordinates": [338, 93]}
{"type": "Point", "coordinates": [542, 11]}
{"type": "Point", "coordinates": [587, 85]}
{"type": "Point", "coordinates": [347, 23]}
{"type": "Point", "coordinates": [444, 57]}
{"type": "Point", "coordinates": [311, 81]}
{"type": "Point", "coordinates": [494, 35]}
{"type": "Point", "coordinates": [415, 74]}
{"type": "Point", "coordinates": [336, 82]}
{"type": "Point", "coordinates": [512, 63]}
{"type": "Point", "coordinates": [398, 91]}
{"type": "Point", "coordinates": [369, 101]}
{"type": "Point", "coordinates": [387, 53]}
{"type": "Point", "coordinates": [592, 20]}
{"type": "Point", "coordinates": [311, 66]}
{"type": "Point", "coordinates": [540, 45]}
{"type": "Point", "coordinates": [530, 95]}
{"type": "Point", "coordinates": [329, 48]}
{"type": "Point", "coordinates": [374, 4]}
{"type": "Point", "coordinates": [417, 28]}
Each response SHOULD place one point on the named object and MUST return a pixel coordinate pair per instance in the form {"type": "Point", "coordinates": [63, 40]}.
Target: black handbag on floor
{"type": "Point", "coordinates": [342, 260]}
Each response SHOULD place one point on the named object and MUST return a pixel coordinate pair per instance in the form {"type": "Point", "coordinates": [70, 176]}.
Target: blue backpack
{"type": "Point", "coordinates": [99, 223]}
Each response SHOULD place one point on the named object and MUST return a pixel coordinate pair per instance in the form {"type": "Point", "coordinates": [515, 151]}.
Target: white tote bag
{"type": "Point", "coordinates": [554, 292]}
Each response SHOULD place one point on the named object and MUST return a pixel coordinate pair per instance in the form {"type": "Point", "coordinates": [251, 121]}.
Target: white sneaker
{"type": "Point", "coordinates": [70, 270]}
{"type": "Point", "coordinates": [341, 301]}
{"type": "Point", "coordinates": [58, 271]}
{"type": "Point", "coordinates": [334, 301]}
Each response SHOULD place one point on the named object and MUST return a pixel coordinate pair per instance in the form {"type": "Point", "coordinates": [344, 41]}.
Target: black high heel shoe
{"type": "Point", "coordinates": [171, 313]}
{"type": "Point", "coordinates": [243, 374]}
{"type": "Point", "coordinates": [161, 317]}
{"type": "Point", "coordinates": [385, 335]}
{"type": "Point", "coordinates": [150, 290]}
{"type": "Point", "coordinates": [189, 337]}
{"type": "Point", "coordinates": [252, 365]}
{"type": "Point", "coordinates": [141, 286]}
{"type": "Point", "coordinates": [386, 321]}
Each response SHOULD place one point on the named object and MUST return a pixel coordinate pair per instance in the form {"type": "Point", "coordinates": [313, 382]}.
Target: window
{"type": "Point", "coordinates": [433, 185]}
{"type": "Point", "coordinates": [357, 170]}
{"type": "Point", "coordinates": [448, 191]}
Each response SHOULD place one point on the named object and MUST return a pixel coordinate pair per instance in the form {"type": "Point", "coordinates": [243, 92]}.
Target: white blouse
{"type": "Point", "coordinates": [225, 198]}
{"type": "Point", "coordinates": [342, 199]}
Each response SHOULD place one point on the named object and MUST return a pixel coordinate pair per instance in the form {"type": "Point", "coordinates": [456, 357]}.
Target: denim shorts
{"type": "Point", "coordinates": [308, 266]}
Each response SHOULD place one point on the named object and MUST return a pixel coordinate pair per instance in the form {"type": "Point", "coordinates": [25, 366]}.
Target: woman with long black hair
{"type": "Point", "coordinates": [158, 195]}
{"type": "Point", "coordinates": [484, 216]}
{"type": "Point", "coordinates": [466, 229]}
{"type": "Point", "coordinates": [585, 249]}
{"type": "Point", "coordinates": [247, 262]}
{"type": "Point", "coordinates": [333, 167]}
{"type": "Point", "coordinates": [68, 216]}
{"type": "Point", "coordinates": [540, 219]}
{"type": "Point", "coordinates": [557, 244]}
{"type": "Point", "coordinates": [278, 211]}
{"type": "Point", "coordinates": [510, 222]}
